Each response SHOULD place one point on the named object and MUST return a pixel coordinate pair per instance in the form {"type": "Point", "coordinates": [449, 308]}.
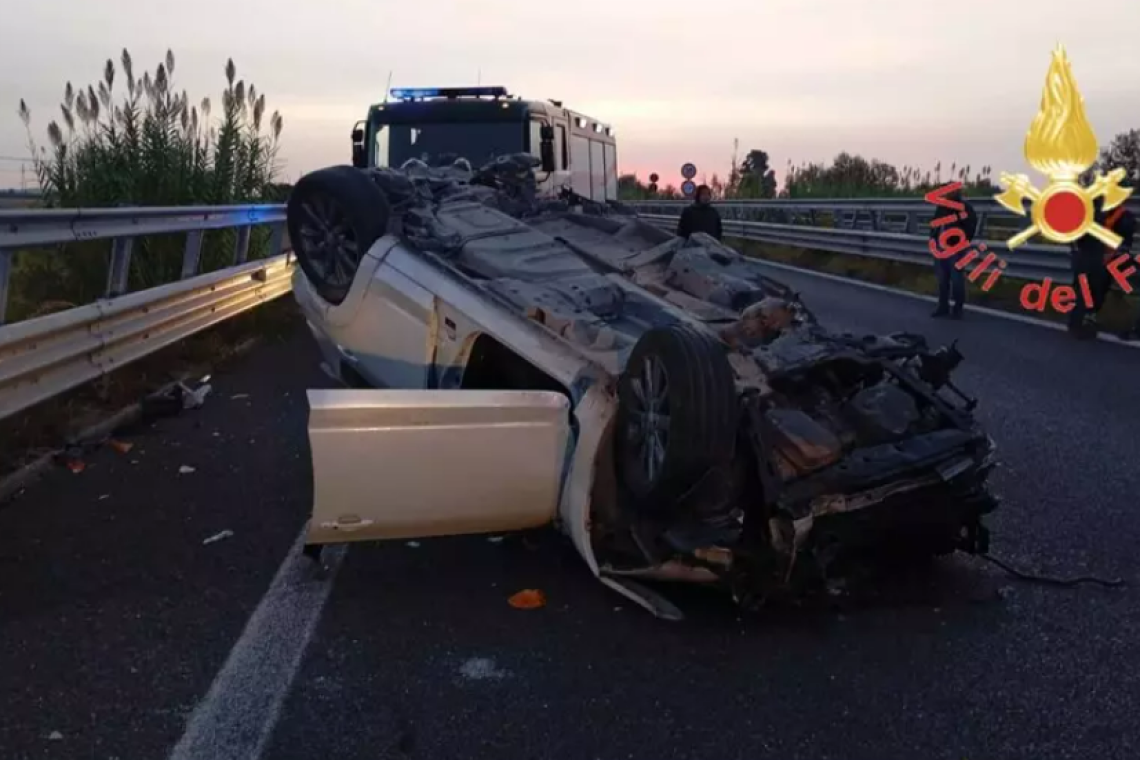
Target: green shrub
{"type": "Point", "coordinates": [851, 176]}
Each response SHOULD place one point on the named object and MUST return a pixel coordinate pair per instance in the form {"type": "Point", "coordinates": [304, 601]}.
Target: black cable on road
{"type": "Point", "coordinates": [1052, 580]}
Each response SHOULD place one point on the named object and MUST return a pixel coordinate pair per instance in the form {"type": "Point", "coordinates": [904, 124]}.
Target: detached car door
{"type": "Point", "coordinates": [417, 463]}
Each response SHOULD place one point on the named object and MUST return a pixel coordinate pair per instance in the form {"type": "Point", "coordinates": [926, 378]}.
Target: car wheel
{"type": "Point", "coordinates": [334, 216]}
{"type": "Point", "coordinates": [677, 414]}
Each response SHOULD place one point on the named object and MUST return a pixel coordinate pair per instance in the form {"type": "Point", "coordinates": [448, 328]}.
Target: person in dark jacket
{"type": "Point", "coordinates": [1090, 258]}
{"type": "Point", "coordinates": [1126, 228]}
{"type": "Point", "coordinates": [701, 216]}
{"type": "Point", "coordinates": [951, 280]}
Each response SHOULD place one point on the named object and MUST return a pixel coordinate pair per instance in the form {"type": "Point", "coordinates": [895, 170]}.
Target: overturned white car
{"type": "Point", "coordinates": [514, 362]}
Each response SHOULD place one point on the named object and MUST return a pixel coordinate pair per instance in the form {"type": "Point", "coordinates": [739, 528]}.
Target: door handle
{"type": "Point", "coordinates": [347, 524]}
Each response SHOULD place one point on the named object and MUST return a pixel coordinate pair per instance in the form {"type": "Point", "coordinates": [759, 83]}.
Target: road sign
{"type": "Point", "coordinates": [688, 188]}
{"type": "Point", "coordinates": [688, 171]}
{"type": "Point", "coordinates": [653, 178]}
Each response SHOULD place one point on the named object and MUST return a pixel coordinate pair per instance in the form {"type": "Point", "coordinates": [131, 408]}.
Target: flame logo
{"type": "Point", "coordinates": [1060, 143]}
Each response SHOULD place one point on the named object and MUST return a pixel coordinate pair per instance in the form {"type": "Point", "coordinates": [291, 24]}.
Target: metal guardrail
{"type": "Point", "coordinates": [30, 228]}
{"type": "Point", "coordinates": [902, 215]}
{"type": "Point", "coordinates": [45, 356]}
{"type": "Point", "coordinates": [1028, 262]}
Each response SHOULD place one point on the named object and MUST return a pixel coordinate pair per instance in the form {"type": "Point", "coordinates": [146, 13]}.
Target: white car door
{"type": "Point", "coordinates": [417, 463]}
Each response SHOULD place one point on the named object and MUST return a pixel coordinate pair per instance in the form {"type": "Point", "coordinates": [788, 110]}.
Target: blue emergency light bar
{"type": "Point", "coordinates": [419, 93]}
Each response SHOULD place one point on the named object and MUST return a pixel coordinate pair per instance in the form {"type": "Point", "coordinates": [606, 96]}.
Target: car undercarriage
{"type": "Point", "coordinates": [752, 446]}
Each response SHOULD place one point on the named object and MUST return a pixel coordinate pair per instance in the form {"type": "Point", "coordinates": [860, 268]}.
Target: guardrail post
{"type": "Point", "coordinates": [192, 253]}
{"type": "Point", "coordinates": [276, 239]}
{"type": "Point", "coordinates": [241, 250]}
{"type": "Point", "coordinates": [120, 269]}
{"type": "Point", "coordinates": [981, 231]}
{"type": "Point", "coordinates": [911, 223]}
{"type": "Point", "coordinates": [6, 257]}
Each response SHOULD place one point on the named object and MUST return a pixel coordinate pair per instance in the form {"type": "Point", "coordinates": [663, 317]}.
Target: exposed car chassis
{"type": "Point", "coordinates": [676, 412]}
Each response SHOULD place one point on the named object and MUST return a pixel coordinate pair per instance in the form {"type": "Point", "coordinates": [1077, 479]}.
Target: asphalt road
{"type": "Point", "coordinates": [116, 618]}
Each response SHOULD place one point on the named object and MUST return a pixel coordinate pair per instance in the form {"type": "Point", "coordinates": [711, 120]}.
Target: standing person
{"type": "Point", "coordinates": [951, 280]}
{"type": "Point", "coordinates": [701, 216]}
{"type": "Point", "coordinates": [1090, 258]}
{"type": "Point", "coordinates": [1123, 222]}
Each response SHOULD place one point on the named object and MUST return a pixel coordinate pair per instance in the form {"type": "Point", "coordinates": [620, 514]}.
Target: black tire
{"type": "Point", "coordinates": [700, 406]}
{"type": "Point", "coordinates": [334, 216]}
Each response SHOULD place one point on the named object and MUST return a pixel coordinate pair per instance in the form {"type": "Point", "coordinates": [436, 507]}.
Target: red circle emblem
{"type": "Point", "coordinates": [1065, 212]}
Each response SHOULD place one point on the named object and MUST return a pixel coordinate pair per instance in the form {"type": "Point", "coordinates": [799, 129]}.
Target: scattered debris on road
{"type": "Point", "coordinates": [218, 537]}
{"type": "Point", "coordinates": [192, 399]}
{"type": "Point", "coordinates": [481, 669]}
{"type": "Point", "coordinates": [185, 469]}
{"type": "Point", "coordinates": [528, 599]}
{"type": "Point", "coordinates": [413, 544]}
{"type": "Point", "coordinates": [175, 399]}
{"type": "Point", "coordinates": [120, 446]}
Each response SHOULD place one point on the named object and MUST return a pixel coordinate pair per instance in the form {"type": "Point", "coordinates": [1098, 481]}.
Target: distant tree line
{"type": "Point", "coordinates": [853, 176]}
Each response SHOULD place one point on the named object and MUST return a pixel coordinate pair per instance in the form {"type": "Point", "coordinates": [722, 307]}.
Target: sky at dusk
{"type": "Point", "coordinates": [899, 80]}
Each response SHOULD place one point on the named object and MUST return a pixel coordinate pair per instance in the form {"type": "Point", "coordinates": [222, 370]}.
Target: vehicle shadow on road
{"type": "Point", "coordinates": [946, 584]}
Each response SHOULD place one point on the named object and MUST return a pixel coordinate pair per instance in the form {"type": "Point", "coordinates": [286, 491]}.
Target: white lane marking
{"type": "Point", "coordinates": [235, 719]}
{"type": "Point", "coordinates": [1024, 319]}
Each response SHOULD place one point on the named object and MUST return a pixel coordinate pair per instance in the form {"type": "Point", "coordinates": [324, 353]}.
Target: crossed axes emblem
{"type": "Point", "coordinates": [1107, 186]}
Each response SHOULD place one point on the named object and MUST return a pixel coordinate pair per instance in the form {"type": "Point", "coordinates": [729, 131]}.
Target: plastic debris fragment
{"type": "Point", "coordinates": [528, 599]}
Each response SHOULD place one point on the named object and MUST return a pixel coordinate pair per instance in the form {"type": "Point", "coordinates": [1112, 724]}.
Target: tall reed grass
{"type": "Point", "coordinates": [131, 140]}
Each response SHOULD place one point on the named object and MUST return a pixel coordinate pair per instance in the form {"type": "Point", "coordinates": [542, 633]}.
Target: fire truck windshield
{"type": "Point", "coordinates": [478, 142]}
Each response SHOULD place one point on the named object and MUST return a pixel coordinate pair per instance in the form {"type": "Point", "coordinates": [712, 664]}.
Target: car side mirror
{"type": "Point", "coordinates": [359, 156]}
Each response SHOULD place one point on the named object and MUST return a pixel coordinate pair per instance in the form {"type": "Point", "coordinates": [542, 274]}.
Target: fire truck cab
{"type": "Point", "coordinates": [480, 123]}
